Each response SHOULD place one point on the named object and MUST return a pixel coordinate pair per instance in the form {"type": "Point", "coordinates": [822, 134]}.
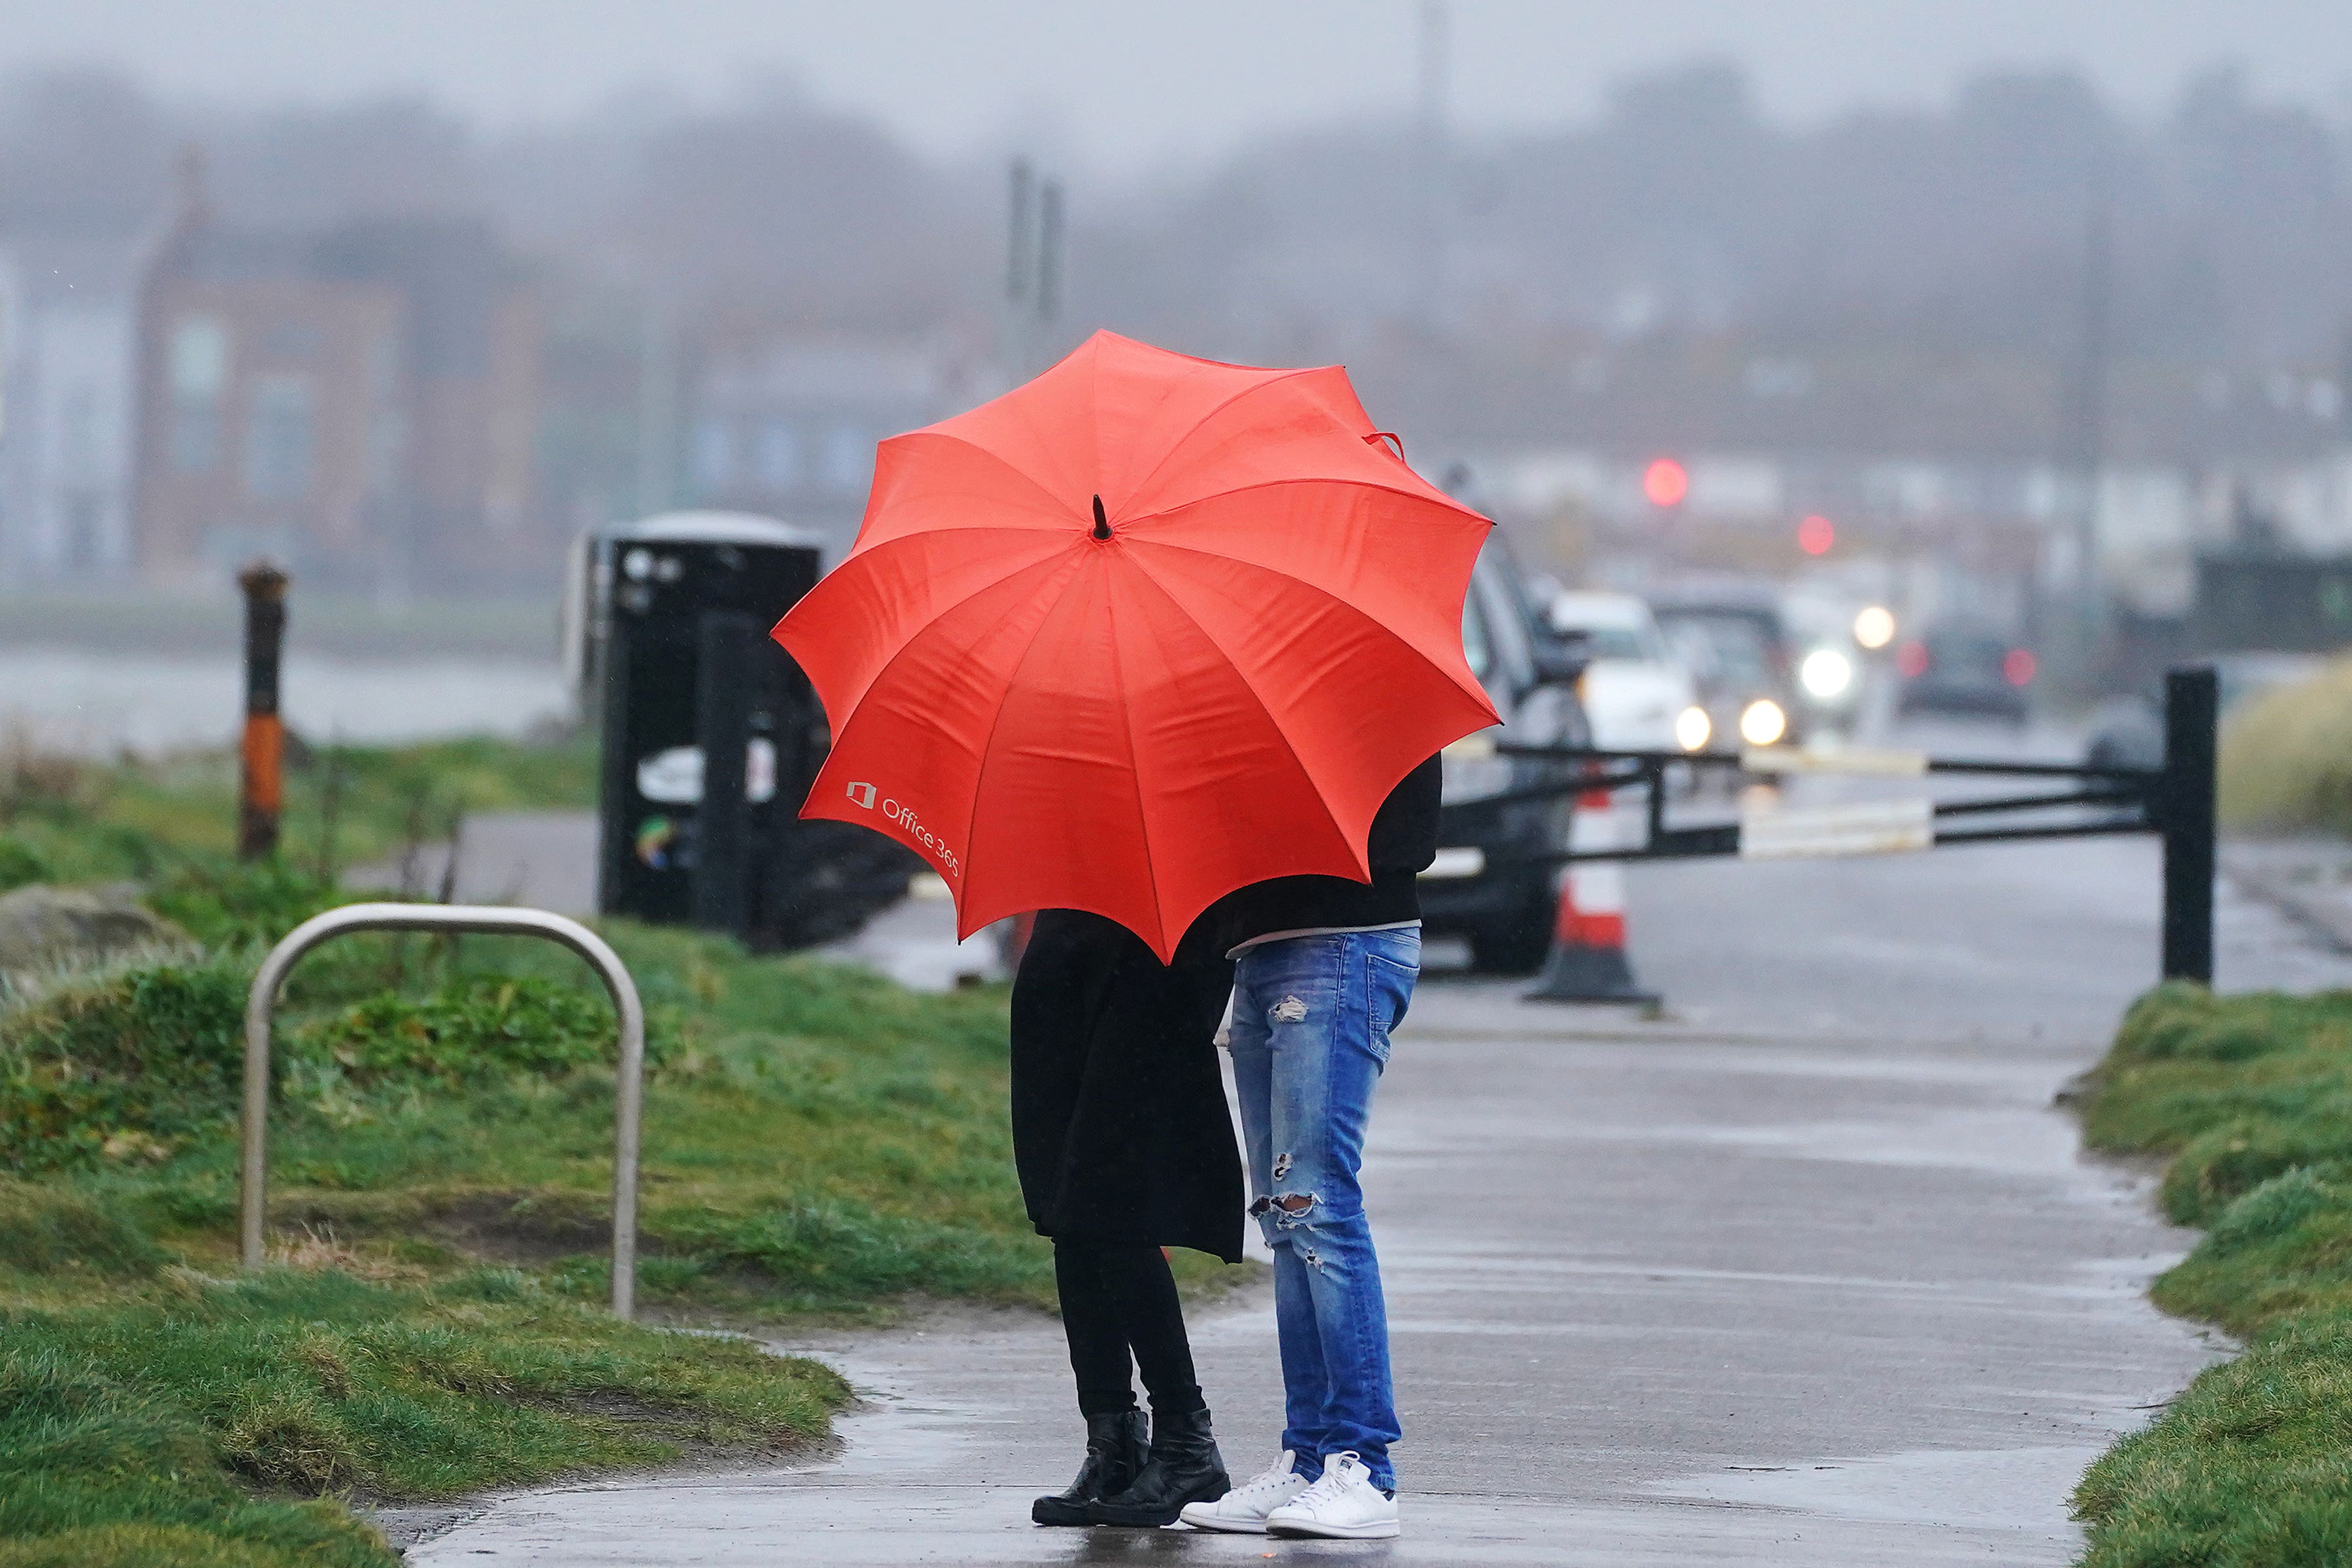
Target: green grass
{"type": "Point", "coordinates": [2286, 757]}
{"type": "Point", "coordinates": [181, 1417]}
{"type": "Point", "coordinates": [817, 1140]}
{"type": "Point", "coordinates": [68, 821]}
{"type": "Point", "coordinates": [2247, 1099]}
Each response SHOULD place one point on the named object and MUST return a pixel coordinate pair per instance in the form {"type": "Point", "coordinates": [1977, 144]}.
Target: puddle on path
{"type": "Point", "coordinates": [2004, 1488]}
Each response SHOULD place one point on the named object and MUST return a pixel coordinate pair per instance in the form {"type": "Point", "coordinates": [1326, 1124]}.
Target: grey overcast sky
{"type": "Point", "coordinates": [1117, 83]}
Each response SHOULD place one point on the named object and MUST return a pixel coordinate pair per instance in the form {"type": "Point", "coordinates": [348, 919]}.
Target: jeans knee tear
{"type": "Point", "coordinates": [1289, 1010]}
{"type": "Point", "coordinates": [1314, 1259]}
{"type": "Point", "coordinates": [1289, 1210]}
{"type": "Point", "coordinates": [1281, 1166]}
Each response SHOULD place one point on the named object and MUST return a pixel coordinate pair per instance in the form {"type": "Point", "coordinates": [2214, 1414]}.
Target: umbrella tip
{"type": "Point", "coordinates": [1102, 523]}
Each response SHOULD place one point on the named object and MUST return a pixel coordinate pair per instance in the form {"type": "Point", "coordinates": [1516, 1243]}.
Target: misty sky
{"type": "Point", "coordinates": [1117, 83]}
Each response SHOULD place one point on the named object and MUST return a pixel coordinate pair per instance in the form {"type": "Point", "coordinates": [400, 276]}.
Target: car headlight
{"type": "Point", "coordinates": [1874, 626]}
{"type": "Point", "coordinates": [1693, 728]}
{"type": "Point", "coordinates": [1825, 674]}
{"type": "Point", "coordinates": [1761, 722]}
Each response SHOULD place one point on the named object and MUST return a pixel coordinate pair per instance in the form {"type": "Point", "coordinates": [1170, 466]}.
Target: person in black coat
{"type": "Point", "coordinates": [1125, 1146]}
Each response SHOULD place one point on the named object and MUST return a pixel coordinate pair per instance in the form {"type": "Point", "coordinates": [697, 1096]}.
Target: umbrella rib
{"type": "Point", "coordinates": [857, 705]}
{"type": "Point", "coordinates": [1312, 587]}
{"type": "Point", "coordinates": [1249, 686]}
{"type": "Point", "coordinates": [1177, 444]}
{"type": "Point", "coordinates": [1058, 506]}
{"type": "Point", "coordinates": [987, 745]}
{"type": "Point", "coordinates": [1444, 504]}
{"type": "Point", "coordinates": [884, 669]}
{"type": "Point", "coordinates": [1135, 765]}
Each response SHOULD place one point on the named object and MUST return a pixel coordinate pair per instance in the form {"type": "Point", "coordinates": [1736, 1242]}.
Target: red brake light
{"type": "Point", "coordinates": [2018, 668]}
{"type": "Point", "coordinates": [1816, 534]}
{"type": "Point", "coordinates": [1666, 482]}
{"type": "Point", "coordinates": [1911, 658]}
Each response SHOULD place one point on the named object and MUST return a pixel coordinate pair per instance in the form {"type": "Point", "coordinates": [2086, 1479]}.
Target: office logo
{"type": "Point", "coordinates": [870, 798]}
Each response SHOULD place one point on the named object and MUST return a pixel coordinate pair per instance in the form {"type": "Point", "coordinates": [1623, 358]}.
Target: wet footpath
{"type": "Point", "coordinates": [1809, 1271]}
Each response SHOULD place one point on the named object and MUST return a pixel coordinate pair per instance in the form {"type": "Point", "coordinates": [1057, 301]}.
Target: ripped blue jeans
{"type": "Point", "coordinates": [1310, 1035]}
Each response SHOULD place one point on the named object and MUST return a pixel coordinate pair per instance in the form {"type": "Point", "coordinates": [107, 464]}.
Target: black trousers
{"type": "Point", "coordinates": [1119, 1307]}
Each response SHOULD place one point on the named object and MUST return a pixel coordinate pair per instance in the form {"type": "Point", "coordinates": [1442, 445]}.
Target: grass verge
{"type": "Point", "coordinates": [2286, 757]}
{"type": "Point", "coordinates": [816, 1140]}
{"type": "Point", "coordinates": [2249, 1102]}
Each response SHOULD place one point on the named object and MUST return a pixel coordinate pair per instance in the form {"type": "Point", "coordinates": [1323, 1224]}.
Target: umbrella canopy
{"type": "Point", "coordinates": [1140, 632]}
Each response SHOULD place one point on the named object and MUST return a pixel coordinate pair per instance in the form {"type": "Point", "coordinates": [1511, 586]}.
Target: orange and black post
{"type": "Point", "coordinates": [261, 790]}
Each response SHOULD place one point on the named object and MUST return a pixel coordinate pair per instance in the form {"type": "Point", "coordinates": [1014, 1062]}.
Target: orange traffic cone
{"type": "Point", "coordinates": [1588, 961]}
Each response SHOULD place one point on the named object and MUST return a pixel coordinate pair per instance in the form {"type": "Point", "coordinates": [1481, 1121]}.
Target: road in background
{"type": "Point", "coordinates": [1808, 1272]}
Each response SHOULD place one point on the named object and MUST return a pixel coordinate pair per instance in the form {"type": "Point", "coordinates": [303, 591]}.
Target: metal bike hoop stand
{"type": "Point", "coordinates": [452, 919]}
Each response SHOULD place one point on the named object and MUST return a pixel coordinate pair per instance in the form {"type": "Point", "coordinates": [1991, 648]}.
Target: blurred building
{"type": "Point", "coordinates": [362, 404]}
{"type": "Point", "coordinates": [789, 429]}
{"type": "Point", "coordinates": [66, 404]}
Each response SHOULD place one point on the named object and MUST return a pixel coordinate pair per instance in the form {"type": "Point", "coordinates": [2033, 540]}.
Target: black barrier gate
{"type": "Point", "coordinates": [2174, 801]}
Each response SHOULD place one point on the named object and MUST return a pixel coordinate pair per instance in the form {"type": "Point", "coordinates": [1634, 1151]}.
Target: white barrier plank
{"type": "Point", "coordinates": [1874, 764]}
{"type": "Point", "coordinates": [1871, 827]}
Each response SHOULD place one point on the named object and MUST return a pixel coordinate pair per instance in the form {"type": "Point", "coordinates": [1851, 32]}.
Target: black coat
{"type": "Point", "coordinates": [1119, 1125]}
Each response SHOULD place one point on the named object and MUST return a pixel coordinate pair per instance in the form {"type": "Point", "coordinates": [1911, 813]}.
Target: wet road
{"type": "Point", "coordinates": [1807, 1271]}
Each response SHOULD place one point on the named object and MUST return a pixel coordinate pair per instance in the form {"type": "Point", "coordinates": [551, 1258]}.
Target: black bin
{"type": "Point", "coordinates": [711, 737]}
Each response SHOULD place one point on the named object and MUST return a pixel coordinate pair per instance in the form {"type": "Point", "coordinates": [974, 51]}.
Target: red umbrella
{"type": "Point", "coordinates": [1140, 632]}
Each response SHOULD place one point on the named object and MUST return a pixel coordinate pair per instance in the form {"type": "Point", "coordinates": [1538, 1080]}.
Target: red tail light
{"type": "Point", "coordinates": [2018, 668]}
{"type": "Point", "coordinates": [1911, 658]}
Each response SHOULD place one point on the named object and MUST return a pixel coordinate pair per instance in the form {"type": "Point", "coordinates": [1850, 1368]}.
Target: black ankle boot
{"type": "Point", "coordinates": [1185, 1466]}
{"type": "Point", "coordinates": [1116, 1452]}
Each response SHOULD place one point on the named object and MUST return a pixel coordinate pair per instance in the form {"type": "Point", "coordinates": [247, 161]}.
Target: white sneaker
{"type": "Point", "coordinates": [1344, 1505]}
{"type": "Point", "coordinates": [1242, 1510]}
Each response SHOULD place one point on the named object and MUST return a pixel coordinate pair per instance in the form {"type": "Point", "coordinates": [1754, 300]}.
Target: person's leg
{"type": "Point", "coordinates": [1116, 1438]}
{"type": "Point", "coordinates": [1151, 1320]}
{"type": "Point", "coordinates": [1334, 1001]}
{"type": "Point", "coordinates": [1092, 1321]}
{"type": "Point", "coordinates": [1305, 1392]}
{"type": "Point", "coordinates": [1186, 1465]}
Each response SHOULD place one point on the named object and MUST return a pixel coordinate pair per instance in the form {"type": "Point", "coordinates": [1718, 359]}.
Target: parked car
{"type": "Point", "coordinates": [1739, 651]}
{"type": "Point", "coordinates": [1493, 880]}
{"type": "Point", "coordinates": [1966, 668]}
{"type": "Point", "coordinates": [1637, 697]}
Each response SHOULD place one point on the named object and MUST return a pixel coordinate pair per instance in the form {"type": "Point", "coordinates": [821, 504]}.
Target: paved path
{"type": "Point", "coordinates": [1808, 1272]}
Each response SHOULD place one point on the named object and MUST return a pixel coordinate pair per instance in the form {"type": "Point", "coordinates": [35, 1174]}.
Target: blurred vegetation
{"type": "Point", "coordinates": [2247, 1099]}
{"type": "Point", "coordinates": [2286, 757]}
{"type": "Point", "coordinates": [67, 820]}
{"type": "Point", "coordinates": [816, 1140]}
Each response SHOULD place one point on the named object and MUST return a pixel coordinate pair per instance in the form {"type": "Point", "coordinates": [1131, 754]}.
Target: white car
{"type": "Point", "coordinates": [1637, 697]}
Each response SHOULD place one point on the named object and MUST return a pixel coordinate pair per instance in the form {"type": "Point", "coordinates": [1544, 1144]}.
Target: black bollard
{"type": "Point", "coordinates": [2191, 750]}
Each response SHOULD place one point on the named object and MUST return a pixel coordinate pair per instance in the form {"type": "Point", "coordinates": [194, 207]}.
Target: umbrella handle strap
{"type": "Point", "coordinates": [1394, 442]}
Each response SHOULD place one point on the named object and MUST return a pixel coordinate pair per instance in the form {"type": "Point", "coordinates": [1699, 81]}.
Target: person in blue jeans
{"type": "Point", "coordinates": [1325, 969]}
